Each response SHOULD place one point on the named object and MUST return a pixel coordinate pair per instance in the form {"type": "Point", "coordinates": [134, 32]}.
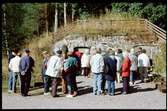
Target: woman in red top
{"type": "Point", "coordinates": [126, 72]}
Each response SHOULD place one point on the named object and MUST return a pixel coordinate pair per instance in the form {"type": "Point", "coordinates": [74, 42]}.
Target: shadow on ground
{"type": "Point", "coordinates": [84, 90]}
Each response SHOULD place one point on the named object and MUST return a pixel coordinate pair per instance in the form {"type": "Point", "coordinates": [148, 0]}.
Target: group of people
{"type": "Point", "coordinates": [63, 66]}
{"type": "Point", "coordinates": [20, 69]}
{"type": "Point", "coordinates": [116, 65]}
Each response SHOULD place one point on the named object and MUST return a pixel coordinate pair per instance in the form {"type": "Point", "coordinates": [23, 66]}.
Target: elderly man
{"type": "Point", "coordinates": [143, 64]}
{"type": "Point", "coordinates": [26, 68]}
{"type": "Point", "coordinates": [97, 68]}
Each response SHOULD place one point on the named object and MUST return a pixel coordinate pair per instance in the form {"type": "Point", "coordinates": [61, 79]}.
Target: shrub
{"type": "Point", "coordinates": [160, 60]}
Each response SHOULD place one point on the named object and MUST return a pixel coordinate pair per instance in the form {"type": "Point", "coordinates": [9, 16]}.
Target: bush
{"type": "Point", "coordinates": [160, 60]}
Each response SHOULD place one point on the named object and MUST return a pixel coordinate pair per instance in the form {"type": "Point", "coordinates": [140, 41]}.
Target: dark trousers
{"type": "Point", "coordinates": [71, 83]}
{"type": "Point", "coordinates": [25, 83]}
{"type": "Point", "coordinates": [126, 84]}
{"type": "Point", "coordinates": [74, 82]}
{"type": "Point", "coordinates": [86, 71]}
{"type": "Point", "coordinates": [103, 83]}
{"type": "Point", "coordinates": [55, 82]}
{"type": "Point", "coordinates": [47, 82]}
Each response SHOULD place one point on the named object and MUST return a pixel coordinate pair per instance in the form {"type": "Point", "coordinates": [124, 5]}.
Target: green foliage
{"type": "Point", "coordinates": [160, 60]}
{"type": "Point", "coordinates": [120, 7]}
{"type": "Point", "coordinates": [153, 12]}
{"type": "Point", "coordinates": [30, 20]}
{"type": "Point", "coordinates": [83, 13]}
{"type": "Point", "coordinates": [135, 9]}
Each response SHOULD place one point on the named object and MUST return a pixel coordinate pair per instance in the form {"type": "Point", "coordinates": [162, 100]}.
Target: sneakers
{"type": "Point", "coordinates": [45, 94]}
{"type": "Point", "coordinates": [69, 96]}
{"type": "Point", "coordinates": [131, 83]}
{"type": "Point", "coordinates": [10, 91]}
{"type": "Point", "coordinates": [124, 93]}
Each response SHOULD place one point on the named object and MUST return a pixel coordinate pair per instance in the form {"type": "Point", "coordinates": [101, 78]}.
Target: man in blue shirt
{"type": "Point", "coordinates": [26, 68]}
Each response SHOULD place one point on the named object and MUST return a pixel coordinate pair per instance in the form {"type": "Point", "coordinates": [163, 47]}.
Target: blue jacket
{"type": "Point", "coordinates": [112, 64]}
{"type": "Point", "coordinates": [26, 64]}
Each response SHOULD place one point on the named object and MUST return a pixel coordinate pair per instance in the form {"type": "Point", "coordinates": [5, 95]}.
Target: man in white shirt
{"type": "Point", "coordinates": [143, 64]}
{"type": "Point", "coordinates": [97, 68]}
{"type": "Point", "coordinates": [14, 67]}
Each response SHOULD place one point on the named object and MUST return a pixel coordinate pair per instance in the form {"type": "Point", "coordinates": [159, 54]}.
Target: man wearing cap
{"type": "Point", "coordinates": [26, 68]}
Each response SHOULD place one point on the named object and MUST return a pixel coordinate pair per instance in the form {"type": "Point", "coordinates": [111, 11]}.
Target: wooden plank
{"type": "Point", "coordinates": [156, 30]}
{"type": "Point", "coordinates": [155, 26]}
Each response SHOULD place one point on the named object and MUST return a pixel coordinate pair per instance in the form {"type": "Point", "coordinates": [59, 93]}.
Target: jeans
{"type": "Point", "coordinates": [16, 75]}
{"type": "Point", "coordinates": [103, 83]}
{"type": "Point", "coordinates": [132, 76]}
{"type": "Point", "coordinates": [110, 85]}
{"type": "Point", "coordinates": [47, 82]}
{"type": "Point", "coordinates": [10, 81]}
{"type": "Point", "coordinates": [97, 82]}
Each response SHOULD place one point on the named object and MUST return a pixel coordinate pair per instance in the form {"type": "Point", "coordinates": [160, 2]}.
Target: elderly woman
{"type": "Point", "coordinates": [54, 69]}
{"type": "Point", "coordinates": [70, 70]}
{"type": "Point", "coordinates": [110, 74]}
{"type": "Point", "coordinates": [133, 68]}
{"type": "Point", "coordinates": [126, 72]}
{"type": "Point", "coordinates": [85, 63]}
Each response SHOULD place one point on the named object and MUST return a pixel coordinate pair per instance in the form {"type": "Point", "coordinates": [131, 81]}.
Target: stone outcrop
{"type": "Point", "coordinates": [113, 41]}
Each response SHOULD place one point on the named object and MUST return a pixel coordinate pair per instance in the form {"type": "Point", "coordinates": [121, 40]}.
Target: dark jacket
{"type": "Point", "coordinates": [10, 55]}
{"type": "Point", "coordinates": [112, 65]}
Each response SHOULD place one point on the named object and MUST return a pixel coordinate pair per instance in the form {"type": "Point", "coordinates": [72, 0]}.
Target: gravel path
{"type": "Point", "coordinates": [144, 96]}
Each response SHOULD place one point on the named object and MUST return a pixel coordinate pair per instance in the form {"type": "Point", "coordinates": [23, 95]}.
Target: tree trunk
{"type": "Point", "coordinates": [56, 18]}
{"type": "Point", "coordinates": [46, 19]}
{"type": "Point", "coordinates": [65, 16]}
{"type": "Point", "coordinates": [4, 32]}
{"type": "Point", "coordinates": [73, 12]}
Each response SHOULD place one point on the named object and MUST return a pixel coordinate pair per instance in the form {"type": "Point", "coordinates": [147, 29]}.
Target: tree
{"type": "Point", "coordinates": [4, 38]}
{"type": "Point", "coordinates": [56, 18]}
{"type": "Point", "coordinates": [65, 15]}
{"type": "Point", "coordinates": [46, 19]}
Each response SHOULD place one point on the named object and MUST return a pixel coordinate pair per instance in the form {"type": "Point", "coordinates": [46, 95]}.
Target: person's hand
{"type": "Point", "coordinates": [23, 73]}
